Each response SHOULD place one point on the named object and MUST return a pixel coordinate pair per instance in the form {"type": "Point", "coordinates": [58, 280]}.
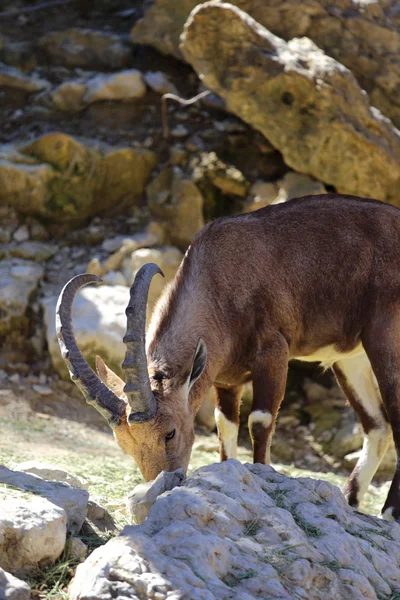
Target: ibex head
{"type": "Point", "coordinates": [153, 424]}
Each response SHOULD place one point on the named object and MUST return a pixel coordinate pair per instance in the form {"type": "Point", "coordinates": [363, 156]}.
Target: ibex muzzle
{"type": "Point", "coordinates": [316, 279]}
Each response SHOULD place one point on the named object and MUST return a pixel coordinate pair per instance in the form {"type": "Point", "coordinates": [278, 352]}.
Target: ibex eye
{"type": "Point", "coordinates": [170, 435]}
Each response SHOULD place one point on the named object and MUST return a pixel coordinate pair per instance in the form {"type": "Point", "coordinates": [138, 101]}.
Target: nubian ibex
{"type": "Point", "coordinates": [316, 278]}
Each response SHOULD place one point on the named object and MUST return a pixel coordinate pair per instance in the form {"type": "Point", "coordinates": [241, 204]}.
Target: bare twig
{"type": "Point", "coordinates": [166, 97]}
{"type": "Point", "coordinates": [30, 9]}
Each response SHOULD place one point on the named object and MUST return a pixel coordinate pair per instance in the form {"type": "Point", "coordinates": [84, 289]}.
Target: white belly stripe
{"type": "Point", "coordinates": [329, 355]}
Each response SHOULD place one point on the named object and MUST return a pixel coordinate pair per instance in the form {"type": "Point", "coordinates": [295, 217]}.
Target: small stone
{"type": "Point", "coordinates": [77, 549]}
{"type": "Point", "coordinates": [69, 96]}
{"type": "Point", "coordinates": [14, 78]}
{"type": "Point", "coordinates": [159, 82]}
{"type": "Point", "coordinates": [126, 85]}
{"type": "Point", "coordinates": [180, 131]}
{"type": "Point", "coordinates": [21, 234]}
{"type": "Point", "coordinates": [12, 588]}
{"type": "Point", "coordinates": [37, 231]}
{"type": "Point", "coordinates": [43, 390]}
{"type": "Point", "coordinates": [94, 267]}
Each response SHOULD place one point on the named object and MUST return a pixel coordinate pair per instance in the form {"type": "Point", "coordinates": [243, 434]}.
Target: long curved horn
{"type": "Point", "coordinates": [93, 389]}
{"type": "Point", "coordinates": [137, 389]}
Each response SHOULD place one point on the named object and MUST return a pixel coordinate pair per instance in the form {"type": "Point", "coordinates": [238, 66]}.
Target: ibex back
{"type": "Point", "coordinates": [316, 278]}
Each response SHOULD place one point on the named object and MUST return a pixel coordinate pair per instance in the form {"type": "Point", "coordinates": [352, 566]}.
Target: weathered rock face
{"type": "Point", "coordinates": [309, 106]}
{"type": "Point", "coordinates": [73, 501]}
{"type": "Point", "coordinates": [365, 37]}
{"type": "Point", "coordinates": [245, 531]}
{"type": "Point", "coordinates": [99, 324]}
{"type": "Point", "coordinates": [61, 179]}
{"type": "Point", "coordinates": [85, 48]}
{"type": "Point", "coordinates": [12, 588]}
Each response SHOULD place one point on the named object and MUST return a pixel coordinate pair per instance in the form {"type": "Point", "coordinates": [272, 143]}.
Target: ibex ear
{"type": "Point", "coordinates": [199, 362]}
{"type": "Point", "coordinates": [108, 377]}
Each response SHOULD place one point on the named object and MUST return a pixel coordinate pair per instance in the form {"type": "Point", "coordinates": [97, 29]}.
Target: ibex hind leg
{"type": "Point", "coordinates": [227, 418]}
{"type": "Point", "coordinates": [357, 381]}
{"type": "Point", "coordinates": [381, 341]}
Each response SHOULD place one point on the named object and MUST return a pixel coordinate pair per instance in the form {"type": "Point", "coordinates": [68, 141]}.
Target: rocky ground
{"type": "Point", "coordinates": [43, 419]}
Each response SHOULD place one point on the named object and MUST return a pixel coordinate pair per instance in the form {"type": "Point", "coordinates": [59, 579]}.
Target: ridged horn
{"type": "Point", "coordinates": [93, 389]}
{"type": "Point", "coordinates": [137, 388]}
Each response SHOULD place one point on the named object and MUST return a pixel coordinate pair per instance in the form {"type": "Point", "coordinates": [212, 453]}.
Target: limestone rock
{"type": "Point", "coordinates": [12, 588]}
{"type": "Point", "coordinates": [167, 258]}
{"type": "Point", "coordinates": [176, 200]}
{"type": "Point", "coordinates": [63, 179]}
{"type": "Point", "coordinates": [306, 104]}
{"type": "Point", "coordinates": [126, 85]}
{"type": "Point", "coordinates": [51, 473]}
{"type": "Point", "coordinates": [72, 501]}
{"type": "Point", "coordinates": [245, 531]}
{"type": "Point", "coordinates": [11, 77]}
{"type": "Point", "coordinates": [364, 36]}
{"type": "Point", "coordinates": [85, 48]}
{"type": "Point", "coordinates": [99, 321]}
{"type": "Point", "coordinates": [18, 281]}
{"type": "Point", "coordinates": [33, 532]}
{"type": "Point", "coordinates": [99, 520]}
{"type": "Point", "coordinates": [142, 498]}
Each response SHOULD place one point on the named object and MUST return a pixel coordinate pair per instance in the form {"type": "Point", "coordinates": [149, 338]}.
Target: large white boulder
{"type": "Point", "coordinates": [99, 322]}
{"type": "Point", "coordinates": [33, 532]}
{"type": "Point", "coordinates": [245, 531]}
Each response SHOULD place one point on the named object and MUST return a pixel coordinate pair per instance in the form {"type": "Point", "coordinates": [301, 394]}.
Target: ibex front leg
{"type": "Point", "coordinates": [269, 382]}
{"type": "Point", "coordinates": [227, 419]}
